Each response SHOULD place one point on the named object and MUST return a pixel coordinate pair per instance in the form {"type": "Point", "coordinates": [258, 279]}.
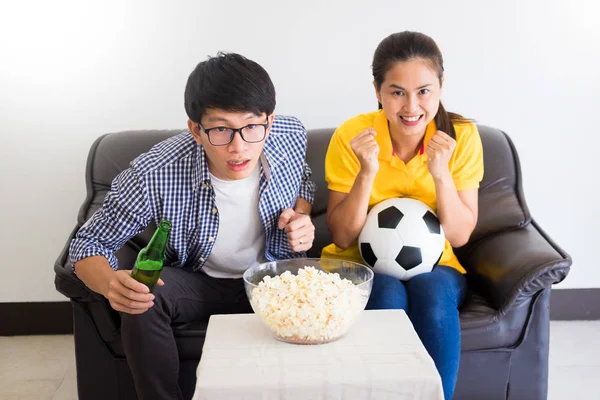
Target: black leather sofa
{"type": "Point", "coordinates": [511, 265]}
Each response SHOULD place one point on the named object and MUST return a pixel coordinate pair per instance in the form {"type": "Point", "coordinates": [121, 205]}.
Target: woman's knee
{"type": "Point", "coordinates": [443, 285]}
{"type": "Point", "coordinates": [387, 293]}
{"type": "Point", "coordinates": [436, 295]}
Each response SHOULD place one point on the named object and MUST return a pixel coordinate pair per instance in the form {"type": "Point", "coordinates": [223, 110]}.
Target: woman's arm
{"type": "Point", "coordinates": [347, 212]}
{"type": "Point", "coordinates": [457, 211]}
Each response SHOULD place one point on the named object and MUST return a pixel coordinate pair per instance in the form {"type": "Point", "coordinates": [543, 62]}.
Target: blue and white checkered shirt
{"type": "Point", "coordinates": [172, 182]}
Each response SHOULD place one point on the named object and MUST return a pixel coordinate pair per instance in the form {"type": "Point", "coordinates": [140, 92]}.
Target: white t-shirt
{"type": "Point", "coordinates": [240, 241]}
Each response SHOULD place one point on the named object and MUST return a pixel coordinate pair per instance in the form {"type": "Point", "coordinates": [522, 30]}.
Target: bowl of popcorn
{"type": "Point", "coordinates": [308, 300]}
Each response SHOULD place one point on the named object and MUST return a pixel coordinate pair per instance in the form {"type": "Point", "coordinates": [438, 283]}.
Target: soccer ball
{"type": "Point", "coordinates": [402, 237]}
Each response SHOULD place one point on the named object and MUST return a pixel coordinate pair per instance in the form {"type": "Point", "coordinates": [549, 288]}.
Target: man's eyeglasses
{"type": "Point", "coordinates": [221, 135]}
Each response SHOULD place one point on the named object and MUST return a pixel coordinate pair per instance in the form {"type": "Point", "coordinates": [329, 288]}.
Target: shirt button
{"type": "Point", "coordinates": [201, 259]}
{"type": "Point", "coordinates": [211, 239]}
{"type": "Point", "coordinates": [214, 210]}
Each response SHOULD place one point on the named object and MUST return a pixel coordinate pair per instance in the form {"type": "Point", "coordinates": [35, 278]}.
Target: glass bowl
{"type": "Point", "coordinates": [308, 300]}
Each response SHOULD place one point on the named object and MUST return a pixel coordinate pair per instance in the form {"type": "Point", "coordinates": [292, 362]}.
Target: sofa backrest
{"type": "Point", "coordinates": [501, 202]}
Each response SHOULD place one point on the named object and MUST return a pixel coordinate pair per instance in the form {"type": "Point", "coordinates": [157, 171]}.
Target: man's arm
{"type": "Point", "coordinates": [302, 206]}
{"type": "Point", "coordinates": [297, 222]}
{"type": "Point", "coordinates": [125, 213]}
{"type": "Point", "coordinates": [306, 194]}
{"type": "Point", "coordinates": [122, 291]}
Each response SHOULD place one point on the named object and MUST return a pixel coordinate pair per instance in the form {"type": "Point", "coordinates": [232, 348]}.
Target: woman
{"type": "Point", "coordinates": [411, 147]}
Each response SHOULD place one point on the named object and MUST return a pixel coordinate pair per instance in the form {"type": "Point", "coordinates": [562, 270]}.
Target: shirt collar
{"type": "Point", "coordinates": [201, 175]}
{"type": "Point", "coordinates": [384, 139]}
{"type": "Point", "coordinates": [272, 154]}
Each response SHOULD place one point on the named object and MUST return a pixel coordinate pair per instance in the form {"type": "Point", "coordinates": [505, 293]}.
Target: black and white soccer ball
{"type": "Point", "coordinates": [402, 237]}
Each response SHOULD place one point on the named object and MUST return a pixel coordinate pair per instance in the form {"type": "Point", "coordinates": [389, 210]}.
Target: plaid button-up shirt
{"type": "Point", "coordinates": [172, 182]}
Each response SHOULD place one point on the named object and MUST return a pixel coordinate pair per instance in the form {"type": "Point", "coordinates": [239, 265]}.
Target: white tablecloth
{"type": "Point", "coordinates": [380, 358]}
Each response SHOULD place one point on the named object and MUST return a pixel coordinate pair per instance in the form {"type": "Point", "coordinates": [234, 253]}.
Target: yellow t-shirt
{"type": "Point", "coordinates": [397, 179]}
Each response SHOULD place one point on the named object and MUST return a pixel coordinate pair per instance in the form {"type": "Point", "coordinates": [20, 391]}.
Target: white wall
{"type": "Point", "coordinates": [72, 70]}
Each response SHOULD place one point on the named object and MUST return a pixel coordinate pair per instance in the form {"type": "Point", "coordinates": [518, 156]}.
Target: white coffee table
{"type": "Point", "coordinates": [380, 358]}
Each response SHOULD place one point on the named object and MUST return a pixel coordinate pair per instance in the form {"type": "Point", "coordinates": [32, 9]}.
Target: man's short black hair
{"type": "Point", "coordinates": [229, 82]}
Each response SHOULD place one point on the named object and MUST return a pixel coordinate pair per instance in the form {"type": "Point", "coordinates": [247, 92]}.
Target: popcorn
{"type": "Point", "coordinates": [311, 307]}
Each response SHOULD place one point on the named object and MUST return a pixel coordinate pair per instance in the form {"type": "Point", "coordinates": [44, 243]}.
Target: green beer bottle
{"type": "Point", "coordinates": [151, 258]}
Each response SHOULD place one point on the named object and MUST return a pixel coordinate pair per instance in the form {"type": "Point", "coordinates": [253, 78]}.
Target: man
{"type": "Point", "coordinates": [237, 191]}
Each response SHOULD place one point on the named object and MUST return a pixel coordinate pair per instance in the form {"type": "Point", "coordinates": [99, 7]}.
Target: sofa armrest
{"type": "Point", "coordinates": [65, 280]}
{"type": "Point", "coordinates": [69, 285]}
{"type": "Point", "coordinates": [510, 267]}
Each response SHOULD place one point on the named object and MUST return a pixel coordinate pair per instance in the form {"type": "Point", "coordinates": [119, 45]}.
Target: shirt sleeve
{"type": "Point", "coordinates": [341, 164]}
{"type": "Point", "coordinates": [307, 186]}
{"type": "Point", "coordinates": [467, 170]}
{"type": "Point", "coordinates": [124, 213]}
